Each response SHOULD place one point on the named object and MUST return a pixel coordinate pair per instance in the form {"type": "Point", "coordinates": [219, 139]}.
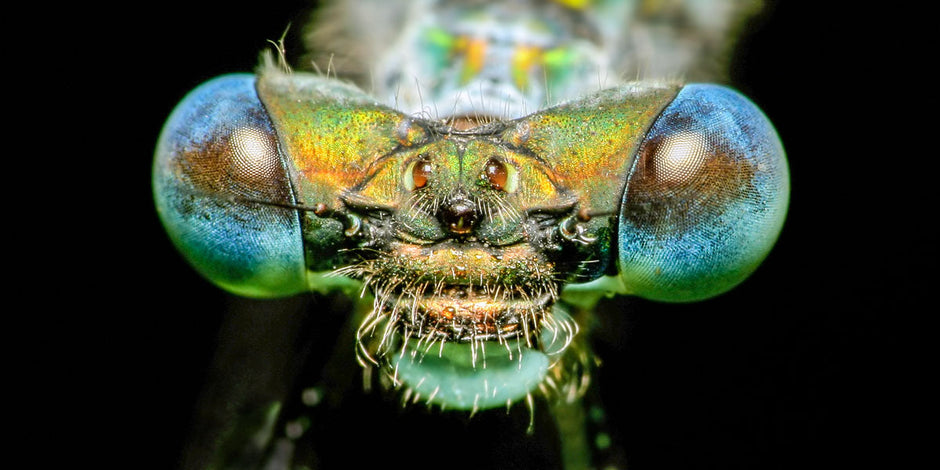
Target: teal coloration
{"type": "Point", "coordinates": [705, 200]}
{"type": "Point", "coordinates": [216, 159]}
{"type": "Point", "coordinates": [500, 375]}
{"type": "Point", "coordinates": [449, 379]}
{"type": "Point", "coordinates": [496, 182]}
{"type": "Point", "coordinates": [705, 194]}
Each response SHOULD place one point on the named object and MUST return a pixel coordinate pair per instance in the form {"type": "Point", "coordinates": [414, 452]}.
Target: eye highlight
{"type": "Point", "coordinates": [500, 176]}
{"type": "Point", "coordinates": [680, 157]}
{"type": "Point", "coordinates": [417, 173]}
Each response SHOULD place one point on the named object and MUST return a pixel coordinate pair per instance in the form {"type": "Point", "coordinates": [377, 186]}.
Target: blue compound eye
{"type": "Point", "coordinates": [705, 200]}
{"type": "Point", "coordinates": [223, 193]}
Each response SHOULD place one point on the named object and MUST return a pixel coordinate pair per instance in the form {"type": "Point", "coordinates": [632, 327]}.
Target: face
{"type": "Point", "coordinates": [470, 236]}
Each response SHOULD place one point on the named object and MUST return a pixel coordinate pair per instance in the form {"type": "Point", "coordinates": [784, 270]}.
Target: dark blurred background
{"type": "Point", "coordinates": [802, 366]}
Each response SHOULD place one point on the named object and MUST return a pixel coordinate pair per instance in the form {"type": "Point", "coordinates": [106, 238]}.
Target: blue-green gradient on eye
{"type": "Point", "coordinates": [705, 200]}
{"type": "Point", "coordinates": [216, 158]}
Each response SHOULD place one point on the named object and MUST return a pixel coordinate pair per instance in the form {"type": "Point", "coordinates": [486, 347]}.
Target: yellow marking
{"type": "Point", "coordinates": [474, 51]}
{"type": "Point", "coordinates": [523, 59]}
{"type": "Point", "coordinates": [575, 4]}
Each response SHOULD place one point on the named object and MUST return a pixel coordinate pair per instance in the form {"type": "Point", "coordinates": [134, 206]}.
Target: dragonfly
{"type": "Point", "coordinates": [465, 183]}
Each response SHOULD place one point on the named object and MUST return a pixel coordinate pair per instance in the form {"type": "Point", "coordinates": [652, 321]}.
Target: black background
{"type": "Point", "coordinates": [802, 366]}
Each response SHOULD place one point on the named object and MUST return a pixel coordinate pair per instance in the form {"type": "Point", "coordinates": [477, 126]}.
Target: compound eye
{"type": "Point", "coordinates": [679, 158]}
{"type": "Point", "coordinates": [706, 199]}
{"type": "Point", "coordinates": [500, 176]}
{"type": "Point", "coordinates": [223, 191]}
{"type": "Point", "coordinates": [417, 173]}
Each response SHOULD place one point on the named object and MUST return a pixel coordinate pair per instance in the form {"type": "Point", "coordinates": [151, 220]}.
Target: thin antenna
{"type": "Point", "coordinates": [600, 84]}
{"type": "Point", "coordinates": [329, 66]}
{"type": "Point", "coordinates": [282, 51]}
{"type": "Point", "coordinates": [372, 81]}
{"type": "Point", "coordinates": [548, 89]}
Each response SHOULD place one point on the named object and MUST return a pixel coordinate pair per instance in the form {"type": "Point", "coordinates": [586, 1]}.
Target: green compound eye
{"type": "Point", "coordinates": [705, 200]}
